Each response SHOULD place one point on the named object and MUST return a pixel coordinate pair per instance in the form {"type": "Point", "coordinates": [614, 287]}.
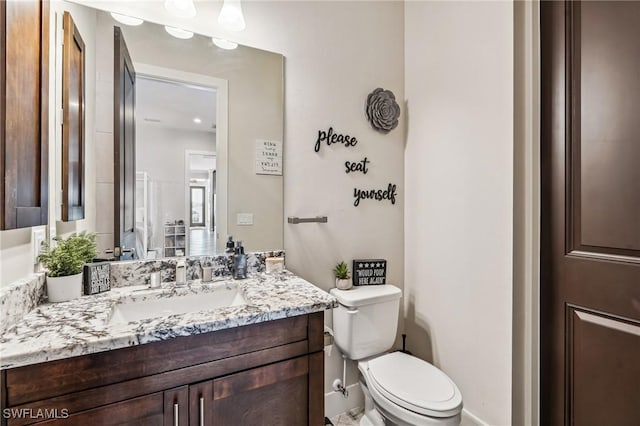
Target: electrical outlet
{"type": "Point", "coordinates": [244, 219]}
{"type": "Point", "coordinates": [37, 238]}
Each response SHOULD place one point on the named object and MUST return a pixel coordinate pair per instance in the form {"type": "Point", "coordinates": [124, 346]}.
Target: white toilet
{"type": "Point", "coordinates": [399, 389]}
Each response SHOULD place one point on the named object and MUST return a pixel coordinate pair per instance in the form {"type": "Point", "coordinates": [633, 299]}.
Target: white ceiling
{"type": "Point", "coordinates": [172, 105]}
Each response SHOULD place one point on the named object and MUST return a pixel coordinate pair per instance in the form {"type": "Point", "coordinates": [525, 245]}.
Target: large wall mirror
{"type": "Point", "coordinates": [177, 127]}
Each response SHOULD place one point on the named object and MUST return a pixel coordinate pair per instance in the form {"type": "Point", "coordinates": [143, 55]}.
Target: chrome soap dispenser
{"type": "Point", "coordinates": [239, 262]}
{"type": "Point", "coordinates": [181, 273]}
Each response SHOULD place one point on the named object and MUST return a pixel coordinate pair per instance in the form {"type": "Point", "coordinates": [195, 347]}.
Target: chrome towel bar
{"type": "Point", "coordinates": [317, 219]}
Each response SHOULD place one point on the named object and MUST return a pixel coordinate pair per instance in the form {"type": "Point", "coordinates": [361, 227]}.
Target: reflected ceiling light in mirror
{"type": "Point", "coordinates": [181, 8]}
{"type": "Point", "coordinates": [224, 44]}
{"type": "Point", "coordinates": [126, 20]}
{"type": "Point", "coordinates": [179, 32]}
{"type": "Point", "coordinates": [197, 120]}
{"type": "Point", "coordinates": [231, 17]}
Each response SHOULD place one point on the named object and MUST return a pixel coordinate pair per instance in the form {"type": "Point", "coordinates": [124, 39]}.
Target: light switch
{"type": "Point", "coordinates": [244, 219]}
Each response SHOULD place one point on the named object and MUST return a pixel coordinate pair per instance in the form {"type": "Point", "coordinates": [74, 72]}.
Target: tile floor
{"type": "Point", "coordinates": [201, 242]}
{"type": "Point", "coordinates": [350, 418]}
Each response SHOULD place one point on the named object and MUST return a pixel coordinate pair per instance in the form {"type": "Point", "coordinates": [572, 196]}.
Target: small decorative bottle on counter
{"type": "Point", "coordinates": [230, 245]}
{"type": "Point", "coordinates": [239, 262]}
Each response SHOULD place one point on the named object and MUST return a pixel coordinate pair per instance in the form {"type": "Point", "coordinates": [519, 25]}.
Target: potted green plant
{"type": "Point", "coordinates": [64, 264]}
{"type": "Point", "coordinates": [343, 276]}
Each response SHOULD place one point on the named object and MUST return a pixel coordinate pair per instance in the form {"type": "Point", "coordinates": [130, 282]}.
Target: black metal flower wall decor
{"type": "Point", "coordinates": [382, 110]}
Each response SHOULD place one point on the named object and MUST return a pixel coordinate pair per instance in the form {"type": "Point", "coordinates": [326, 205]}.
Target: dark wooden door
{"type": "Point", "coordinates": [590, 223]}
{"type": "Point", "coordinates": [124, 238]}
{"type": "Point", "coordinates": [24, 116]}
{"type": "Point", "coordinates": [73, 144]}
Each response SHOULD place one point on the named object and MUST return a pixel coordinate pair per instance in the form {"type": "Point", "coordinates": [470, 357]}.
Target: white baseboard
{"type": "Point", "coordinates": [469, 419]}
{"type": "Point", "coordinates": [335, 403]}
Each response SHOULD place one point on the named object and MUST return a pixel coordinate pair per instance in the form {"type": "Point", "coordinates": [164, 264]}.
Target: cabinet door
{"type": "Point", "coordinates": [142, 411]}
{"type": "Point", "coordinates": [176, 407]}
{"type": "Point", "coordinates": [24, 79]}
{"type": "Point", "coordinates": [275, 394]}
{"type": "Point", "coordinates": [201, 404]}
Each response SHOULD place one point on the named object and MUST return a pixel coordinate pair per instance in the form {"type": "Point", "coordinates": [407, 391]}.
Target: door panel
{"type": "Point", "coordinates": [603, 396]}
{"type": "Point", "coordinates": [124, 149]}
{"type": "Point", "coordinates": [73, 144]}
{"type": "Point", "coordinates": [275, 394]}
{"type": "Point", "coordinates": [201, 404]}
{"type": "Point", "coordinates": [590, 219]}
{"type": "Point", "coordinates": [604, 140]}
{"type": "Point", "coordinates": [176, 407]}
{"type": "Point", "coordinates": [24, 99]}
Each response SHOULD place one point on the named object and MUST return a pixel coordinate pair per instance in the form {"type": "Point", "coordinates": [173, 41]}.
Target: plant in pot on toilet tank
{"type": "Point", "coordinates": [343, 276]}
{"type": "Point", "coordinates": [64, 264]}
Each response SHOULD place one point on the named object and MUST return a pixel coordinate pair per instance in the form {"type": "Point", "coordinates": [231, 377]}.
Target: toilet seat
{"type": "Point", "coordinates": [414, 384]}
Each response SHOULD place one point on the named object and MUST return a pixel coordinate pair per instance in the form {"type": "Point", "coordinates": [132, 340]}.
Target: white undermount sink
{"type": "Point", "coordinates": [156, 308]}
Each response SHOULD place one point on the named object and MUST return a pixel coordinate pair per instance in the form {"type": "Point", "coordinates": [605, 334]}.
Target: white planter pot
{"type": "Point", "coordinates": [343, 284]}
{"type": "Point", "coordinates": [61, 289]}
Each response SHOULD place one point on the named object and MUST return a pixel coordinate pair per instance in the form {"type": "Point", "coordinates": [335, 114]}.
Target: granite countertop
{"type": "Point", "coordinates": [61, 330]}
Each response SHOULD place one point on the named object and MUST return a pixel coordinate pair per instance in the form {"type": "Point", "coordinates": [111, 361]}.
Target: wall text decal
{"type": "Point", "coordinates": [360, 166]}
{"type": "Point", "coordinates": [330, 138]}
{"type": "Point", "coordinates": [375, 194]}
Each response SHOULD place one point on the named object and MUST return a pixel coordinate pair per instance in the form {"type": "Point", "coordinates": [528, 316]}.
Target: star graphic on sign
{"type": "Point", "coordinates": [377, 265]}
{"type": "Point", "coordinates": [366, 265]}
{"type": "Point", "coordinates": [359, 265]}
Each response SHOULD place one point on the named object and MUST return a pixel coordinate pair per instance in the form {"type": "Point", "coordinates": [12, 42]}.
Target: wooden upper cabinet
{"type": "Point", "coordinates": [73, 107]}
{"type": "Point", "coordinates": [24, 123]}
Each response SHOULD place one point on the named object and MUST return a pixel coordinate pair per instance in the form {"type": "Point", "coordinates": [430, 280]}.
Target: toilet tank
{"type": "Point", "coordinates": [366, 320]}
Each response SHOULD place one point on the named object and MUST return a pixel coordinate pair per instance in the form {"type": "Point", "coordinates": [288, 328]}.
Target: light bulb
{"type": "Point", "coordinates": [224, 44]}
{"type": "Point", "coordinates": [231, 17]}
{"type": "Point", "coordinates": [179, 32]}
{"type": "Point", "coordinates": [126, 20]}
{"type": "Point", "coordinates": [181, 8]}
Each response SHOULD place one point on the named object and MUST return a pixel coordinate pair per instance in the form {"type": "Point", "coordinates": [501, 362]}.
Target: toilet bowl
{"type": "Point", "coordinates": [399, 389]}
{"type": "Point", "coordinates": [409, 391]}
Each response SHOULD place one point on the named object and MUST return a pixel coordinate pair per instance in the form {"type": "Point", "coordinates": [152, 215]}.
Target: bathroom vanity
{"type": "Point", "coordinates": [256, 362]}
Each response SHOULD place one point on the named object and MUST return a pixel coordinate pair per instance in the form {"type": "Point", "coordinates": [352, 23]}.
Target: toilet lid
{"type": "Point", "coordinates": [415, 385]}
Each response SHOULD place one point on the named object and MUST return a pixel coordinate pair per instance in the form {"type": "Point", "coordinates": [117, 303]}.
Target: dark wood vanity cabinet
{"type": "Point", "coordinates": [267, 373]}
{"type": "Point", "coordinates": [24, 128]}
